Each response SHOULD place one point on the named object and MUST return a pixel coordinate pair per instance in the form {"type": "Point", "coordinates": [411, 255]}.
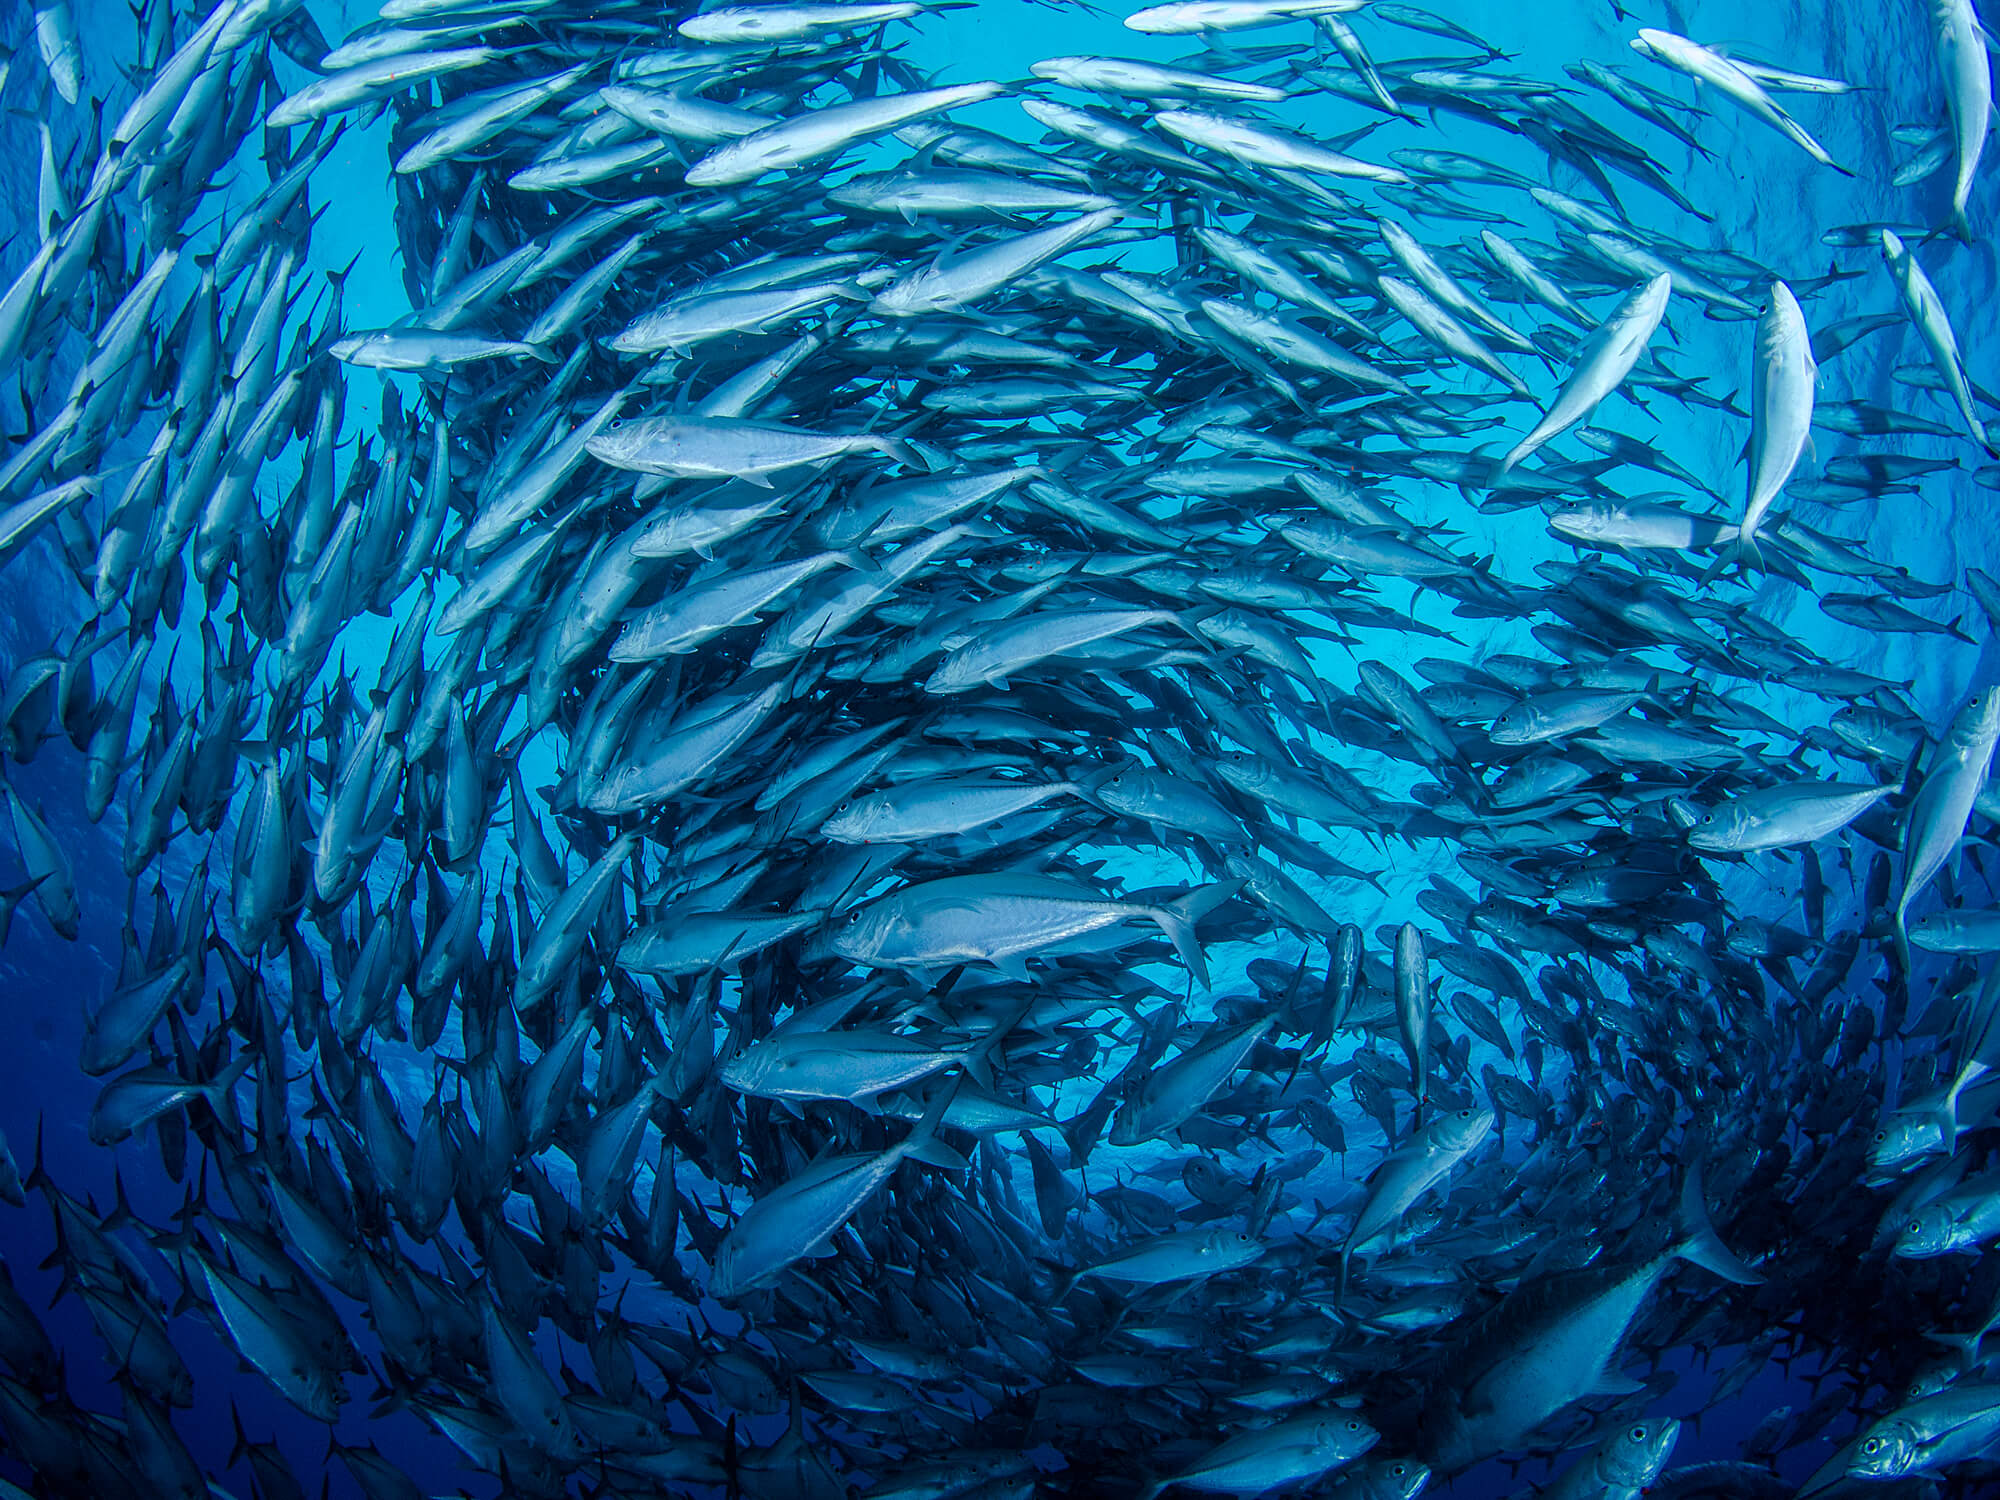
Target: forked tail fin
{"type": "Point", "coordinates": [1700, 1243]}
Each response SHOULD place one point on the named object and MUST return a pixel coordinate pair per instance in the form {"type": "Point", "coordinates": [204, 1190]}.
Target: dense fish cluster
{"type": "Point", "coordinates": [1000, 787]}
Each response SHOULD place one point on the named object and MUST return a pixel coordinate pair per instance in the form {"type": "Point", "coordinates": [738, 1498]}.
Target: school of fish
{"type": "Point", "coordinates": [749, 833]}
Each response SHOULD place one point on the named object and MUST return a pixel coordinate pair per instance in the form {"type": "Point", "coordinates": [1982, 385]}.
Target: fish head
{"type": "Point", "coordinates": [1889, 1450]}
{"type": "Point", "coordinates": [1230, 1248]}
{"type": "Point", "coordinates": [1462, 1129]}
{"type": "Point", "coordinates": [742, 160]}
{"type": "Point", "coordinates": [618, 444]}
{"type": "Point", "coordinates": [1400, 1478]}
{"type": "Point", "coordinates": [315, 1387]}
{"type": "Point", "coordinates": [1127, 1127]}
{"type": "Point", "coordinates": [1514, 727]}
{"type": "Point", "coordinates": [1344, 1434]}
{"type": "Point", "coordinates": [858, 934]}
{"type": "Point", "coordinates": [1585, 523]}
{"type": "Point", "coordinates": [1715, 830]}
{"type": "Point", "coordinates": [1125, 793]}
{"type": "Point", "coordinates": [852, 819]}
{"type": "Point", "coordinates": [1927, 1232]}
{"type": "Point", "coordinates": [749, 1070]}
{"type": "Point", "coordinates": [1900, 1140]}
{"type": "Point", "coordinates": [1650, 301]}
{"type": "Point", "coordinates": [1658, 46]}
{"type": "Point", "coordinates": [615, 793]}
{"type": "Point", "coordinates": [1635, 1455]}
{"type": "Point", "coordinates": [723, 1273]}
{"type": "Point", "coordinates": [1978, 723]}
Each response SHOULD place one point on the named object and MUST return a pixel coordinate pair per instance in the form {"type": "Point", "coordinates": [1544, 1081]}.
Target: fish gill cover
{"type": "Point", "coordinates": [924, 749]}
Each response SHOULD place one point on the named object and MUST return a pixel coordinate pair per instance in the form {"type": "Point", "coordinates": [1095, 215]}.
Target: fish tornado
{"type": "Point", "coordinates": [976, 750]}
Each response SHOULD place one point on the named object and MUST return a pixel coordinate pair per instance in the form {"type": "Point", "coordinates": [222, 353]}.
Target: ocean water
{"type": "Point", "coordinates": [1758, 197]}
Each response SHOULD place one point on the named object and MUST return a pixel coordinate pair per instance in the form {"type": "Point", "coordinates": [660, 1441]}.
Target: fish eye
{"type": "Point", "coordinates": [1873, 1445]}
{"type": "Point", "coordinates": [1638, 1434]}
{"type": "Point", "coordinates": [854, 917]}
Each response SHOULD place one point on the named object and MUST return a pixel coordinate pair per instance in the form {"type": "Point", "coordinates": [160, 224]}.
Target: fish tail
{"type": "Point", "coordinates": [1178, 917]}
{"type": "Point", "coordinates": [220, 1089]}
{"type": "Point", "coordinates": [1064, 1279]}
{"type": "Point", "coordinates": [1180, 932]}
{"type": "Point", "coordinates": [1741, 554]}
{"type": "Point", "coordinates": [242, 1443]}
{"type": "Point", "coordinates": [11, 898]}
{"type": "Point", "coordinates": [903, 453]}
{"type": "Point", "coordinates": [1946, 1114]}
{"type": "Point", "coordinates": [1079, 1133]}
{"type": "Point", "coordinates": [1700, 1243]}
{"type": "Point", "coordinates": [38, 1176]}
{"type": "Point", "coordinates": [922, 1143]}
{"type": "Point", "coordinates": [1900, 927]}
{"type": "Point", "coordinates": [977, 1059]}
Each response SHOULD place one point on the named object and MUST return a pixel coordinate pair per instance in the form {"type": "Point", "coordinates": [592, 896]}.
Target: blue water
{"type": "Point", "coordinates": [1765, 200]}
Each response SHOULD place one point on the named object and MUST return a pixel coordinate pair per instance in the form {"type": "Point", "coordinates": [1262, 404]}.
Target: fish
{"type": "Point", "coordinates": [1296, 1449]}
{"type": "Point", "coordinates": [1780, 816]}
{"type": "Point", "coordinates": [1588, 1310]}
{"type": "Point", "coordinates": [802, 1214]}
{"type": "Point", "coordinates": [1736, 83]}
{"type": "Point", "coordinates": [799, 781]}
{"type": "Point", "coordinates": [1604, 362]}
{"type": "Point", "coordinates": [1182, 16]}
{"type": "Point", "coordinates": [1933, 325]}
{"type": "Point", "coordinates": [1937, 815]}
{"type": "Point", "coordinates": [723, 447]}
{"type": "Point", "coordinates": [806, 138]}
{"type": "Point", "coordinates": [1782, 375]}
{"type": "Point", "coordinates": [1968, 90]}
{"type": "Point", "coordinates": [1001, 920]}
{"type": "Point", "coordinates": [1435, 1147]}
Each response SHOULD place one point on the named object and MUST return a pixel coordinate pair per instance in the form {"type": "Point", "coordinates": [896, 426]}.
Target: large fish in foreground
{"type": "Point", "coordinates": [1926, 310]}
{"type": "Point", "coordinates": [1782, 374]}
{"type": "Point", "coordinates": [1953, 774]}
{"type": "Point", "coordinates": [1553, 1342]}
{"type": "Point", "coordinates": [1603, 362]}
{"type": "Point", "coordinates": [1967, 73]}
